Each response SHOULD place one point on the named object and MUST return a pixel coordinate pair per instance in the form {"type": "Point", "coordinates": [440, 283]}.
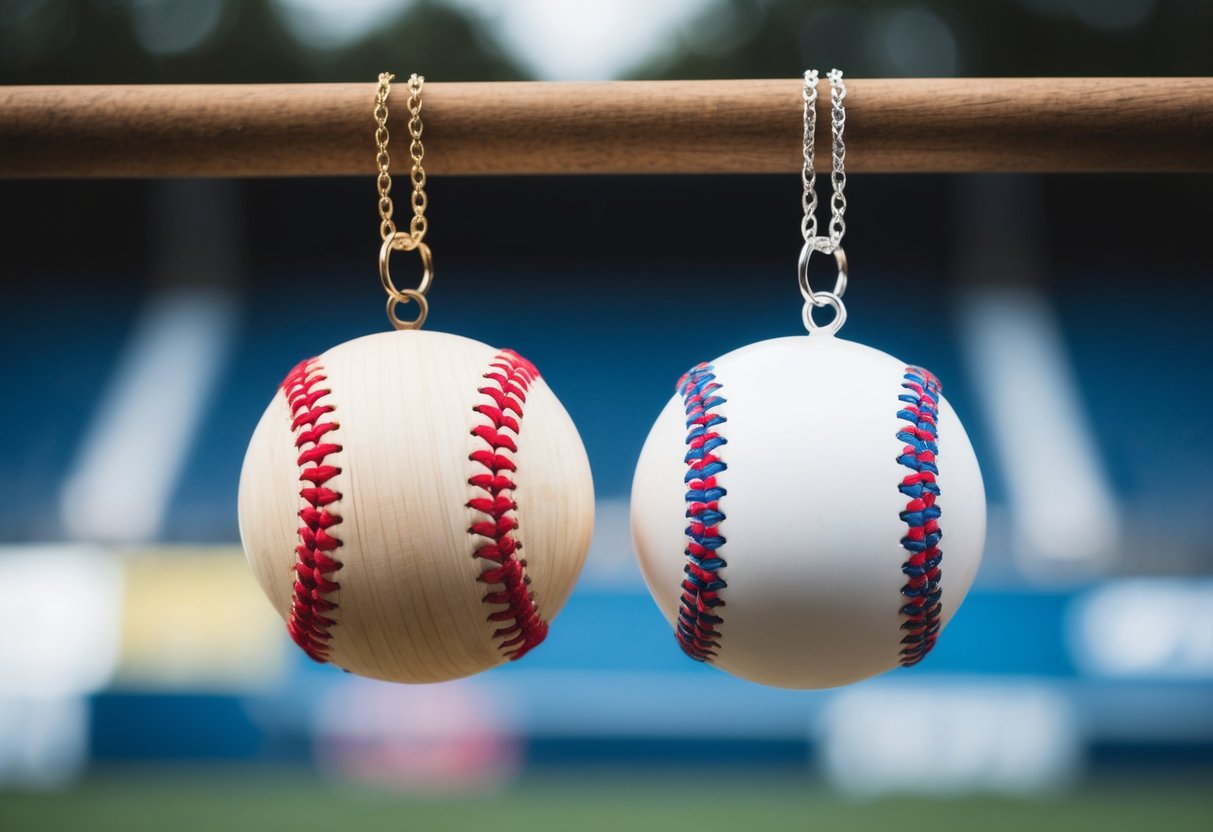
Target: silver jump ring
{"type": "Point", "coordinates": [826, 246]}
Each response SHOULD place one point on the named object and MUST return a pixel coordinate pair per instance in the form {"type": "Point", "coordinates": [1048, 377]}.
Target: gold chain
{"type": "Point", "coordinates": [386, 227]}
{"type": "Point", "coordinates": [394, 240]}
{"type": "Point", "coordinates": [418, 225]}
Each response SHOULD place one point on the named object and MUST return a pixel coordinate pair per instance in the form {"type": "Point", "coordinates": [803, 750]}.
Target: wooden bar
{"type": "Point", "coordinates": [904, 125]}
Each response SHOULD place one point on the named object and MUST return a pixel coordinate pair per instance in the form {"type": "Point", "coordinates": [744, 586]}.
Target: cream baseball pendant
{"type": "Point", "coordinates": [808, 511]}
{"type": "Point", "coordinates": [416, 505]}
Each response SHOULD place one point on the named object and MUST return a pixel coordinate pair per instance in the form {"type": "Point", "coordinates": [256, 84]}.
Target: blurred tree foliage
{"type": "Point", "coordinates": [95, 42]}
{"type": "Point", "coordinates": [887, 38]}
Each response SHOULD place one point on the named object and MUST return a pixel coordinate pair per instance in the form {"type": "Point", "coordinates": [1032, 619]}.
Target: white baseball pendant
{"type": "Point", "coordinates": [790, 503]}
{"type": "Point", "coordinates": [416, 505]}
{"type": "Point", "coordinates": [797, 506]}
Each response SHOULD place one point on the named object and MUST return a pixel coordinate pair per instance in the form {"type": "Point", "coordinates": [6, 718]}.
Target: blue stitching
{"type": "Point", "coordinates": [920, 436]}
{"type": "Point", "coordinates": [697, 621]}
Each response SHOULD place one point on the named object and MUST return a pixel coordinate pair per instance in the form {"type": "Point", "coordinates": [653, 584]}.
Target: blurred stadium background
{"type": "Point", "coordinates": [146, 683]}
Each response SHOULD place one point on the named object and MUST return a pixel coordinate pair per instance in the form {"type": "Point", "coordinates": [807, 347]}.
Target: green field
{"type": "Point", "coordinates": [225, 802]}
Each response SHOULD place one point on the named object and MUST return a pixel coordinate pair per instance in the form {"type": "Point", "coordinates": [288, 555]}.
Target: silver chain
{"type": "Point", "coordinates": [838, 174]}
{"type": "Point", "coordinates": [831, 244]}
{"type": "Point", "coordinates": [808, 176]}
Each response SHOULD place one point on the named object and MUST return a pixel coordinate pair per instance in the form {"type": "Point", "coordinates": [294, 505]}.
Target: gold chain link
{"type": "Point", "coordinates": [394, 240]}
{"type": "Point", "coordinates": [386, 227]}
{"type": "Point", "coordinates": [419, 225]}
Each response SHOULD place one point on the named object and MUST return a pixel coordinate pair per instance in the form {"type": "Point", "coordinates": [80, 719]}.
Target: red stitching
{"type": "Point", "coordinates": [314, 567]}
{"type": "Point", "coordinates": [511, 376]}
{"type": "Point", "coordinates": [697, 625]}
{"type": "Point", "coordinates": [923, 588]}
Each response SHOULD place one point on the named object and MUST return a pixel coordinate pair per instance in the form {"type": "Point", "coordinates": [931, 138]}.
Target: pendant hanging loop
{"type": "Point", "coordinates": [823, 299]}
{"type": "Point", "coordinates": [831, 243]}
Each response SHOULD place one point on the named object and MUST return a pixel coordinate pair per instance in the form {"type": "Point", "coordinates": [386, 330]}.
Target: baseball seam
{"type": "Point", "coordinates": [922, 589]}
{"type": "Point", "coordinates": [309, 623]}
{"type": "Point", "coordinates": [510, 376]}
{"type": "Point", "coordinates": [696, 630]}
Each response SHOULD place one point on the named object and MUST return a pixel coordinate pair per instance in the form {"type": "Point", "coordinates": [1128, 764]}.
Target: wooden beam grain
{"type": "Point", "coordinates": [902, 125]}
